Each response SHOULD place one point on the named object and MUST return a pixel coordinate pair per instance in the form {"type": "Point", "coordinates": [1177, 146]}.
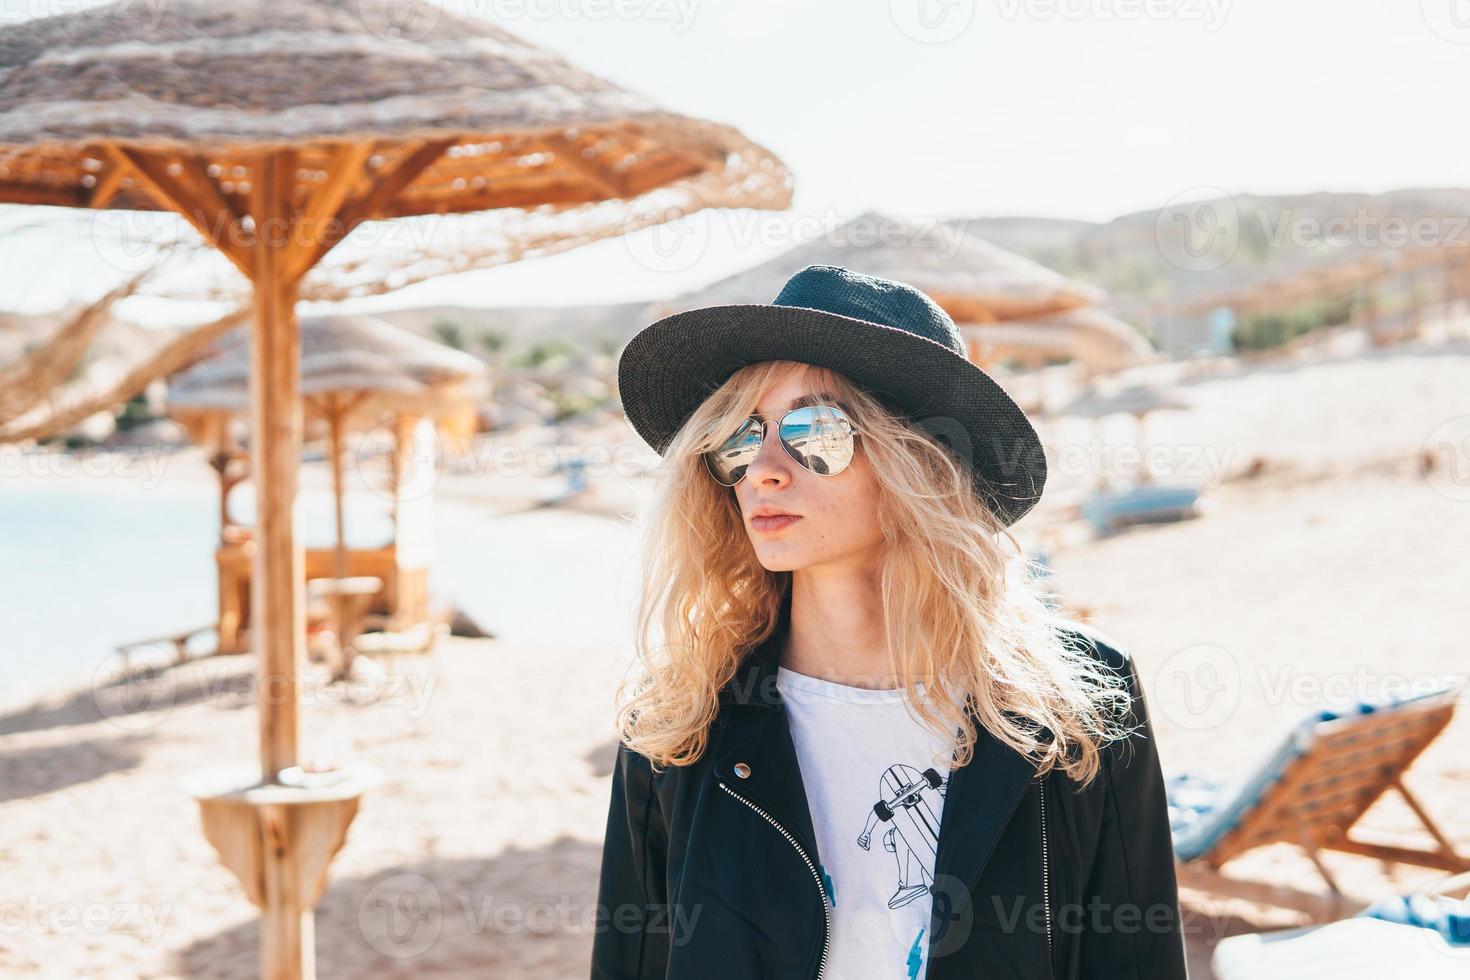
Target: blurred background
{"type": "Point", "coordinates": [1218, 249]}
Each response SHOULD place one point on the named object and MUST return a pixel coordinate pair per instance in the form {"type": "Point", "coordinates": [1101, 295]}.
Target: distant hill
{"type": "Point", "coordinates": [524, 325]}
{"type": "Point", "coordinates": [1135, 257]}
{"type": "Point", "coordinates": [1130, 255]}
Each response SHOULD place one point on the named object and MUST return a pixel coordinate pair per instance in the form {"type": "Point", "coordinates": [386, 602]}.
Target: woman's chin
{"type": "Point", "coordinates": [779, 557]}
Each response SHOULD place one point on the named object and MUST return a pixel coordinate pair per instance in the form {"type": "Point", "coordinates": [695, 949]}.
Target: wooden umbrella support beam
{"type": "Point", "coordinates": [275, 432]}
{"type": "Point", "coordinates": [349, 597]}
{"type": "Point", "coordinates": [278, 603]}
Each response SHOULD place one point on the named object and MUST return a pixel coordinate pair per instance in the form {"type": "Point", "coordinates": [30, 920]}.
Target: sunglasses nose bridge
{"type": "Point", "coordinates": [763, 423]}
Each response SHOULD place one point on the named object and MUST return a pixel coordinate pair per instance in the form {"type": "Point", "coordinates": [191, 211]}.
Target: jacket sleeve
{"type": "Point", "coordinates": [631, 937]}
{"type": "Point", "coordinates": [1136, 932]}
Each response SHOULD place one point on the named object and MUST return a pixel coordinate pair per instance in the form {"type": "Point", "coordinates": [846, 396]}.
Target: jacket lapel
{"type": "Point", "coordinates": [757, 734]}
{"type": "Point", "coordinates": [978, 804]}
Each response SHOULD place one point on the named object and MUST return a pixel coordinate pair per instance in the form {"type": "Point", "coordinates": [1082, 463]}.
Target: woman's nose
{"type": "Point", "coordinates": [772, 458]}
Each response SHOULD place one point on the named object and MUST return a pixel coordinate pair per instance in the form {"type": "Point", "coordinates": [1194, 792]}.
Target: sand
{"type": "Point", "coordinates": [1339, 569]}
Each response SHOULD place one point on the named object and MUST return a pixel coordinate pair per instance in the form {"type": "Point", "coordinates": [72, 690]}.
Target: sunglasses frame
{"type": "Point", "coordinates": [852, 430]}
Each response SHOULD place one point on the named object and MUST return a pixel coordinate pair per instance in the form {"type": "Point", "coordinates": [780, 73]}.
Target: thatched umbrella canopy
{"type": "Point", "coordinates": [276, 127]}
{"type": "Point", "coordinates": [426, 113]}
{"type": "Point", "coordinates": [975, 281]}
{"type": "Point", "coordinates": [1137, 400]}
{"type": "Point", "coordinates": [1102, 343]}
{"type": "Point", "coordinates": [351, 367]}
{"type": "Point", "coordinates": [339, 354]}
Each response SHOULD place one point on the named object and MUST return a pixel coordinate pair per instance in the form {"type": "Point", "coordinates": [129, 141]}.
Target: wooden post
{"type": "Point", "coordinates": [279, 626]}
{"type": "Point", "coordinates": [415, 458]}
{"type": "Point", "coordinates": [335, 411]}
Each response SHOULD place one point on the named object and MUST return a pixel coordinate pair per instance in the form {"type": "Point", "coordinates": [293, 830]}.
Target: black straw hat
{"type": "Point", "coordinates": [886, 336]}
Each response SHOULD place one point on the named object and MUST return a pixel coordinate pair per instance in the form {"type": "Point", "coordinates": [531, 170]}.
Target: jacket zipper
{"type": "Point", "coordinates": [1045, 873]}
{"type": "Point", "coordinates": [821, 888]}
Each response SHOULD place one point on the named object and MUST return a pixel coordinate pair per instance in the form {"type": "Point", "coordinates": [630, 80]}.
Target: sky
{"type": "Point", "coordinates": [1064, 108]}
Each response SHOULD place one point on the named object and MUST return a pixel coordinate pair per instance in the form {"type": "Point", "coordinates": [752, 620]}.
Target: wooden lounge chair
{"type": "Point", "coordinates": [176, 643]}
{"type": "Point", "coordinates": [1147, 503]}
{"type": "Point", "coordinates": [1311, 792]}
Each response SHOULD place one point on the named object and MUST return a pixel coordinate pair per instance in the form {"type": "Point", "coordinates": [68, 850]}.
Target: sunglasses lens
{"type": "Point", "coordinates": [819, 437]}
{"type": "Point", "coordinates": [728, 463]}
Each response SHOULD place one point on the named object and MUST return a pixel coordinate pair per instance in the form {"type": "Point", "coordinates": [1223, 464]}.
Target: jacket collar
{"type": "Point", "coordinates": [979, 800]}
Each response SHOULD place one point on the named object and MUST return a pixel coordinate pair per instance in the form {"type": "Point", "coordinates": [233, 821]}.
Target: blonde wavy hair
{"type": "Point", "coordinates": [955, 620]}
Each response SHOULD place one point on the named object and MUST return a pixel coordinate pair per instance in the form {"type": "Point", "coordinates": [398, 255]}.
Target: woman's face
{"type": "Point", "coordinates": [837, 516]}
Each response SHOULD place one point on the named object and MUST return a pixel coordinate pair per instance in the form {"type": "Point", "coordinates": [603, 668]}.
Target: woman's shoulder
{"type": "Point", "coordinates": [1130, 715]}
{"type": "Point", "coordinates": [1100, 645]}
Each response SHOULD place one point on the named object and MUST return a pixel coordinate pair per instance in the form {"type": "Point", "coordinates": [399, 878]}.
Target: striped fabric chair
{"type": "Point", "coordinates": [1310, 792]}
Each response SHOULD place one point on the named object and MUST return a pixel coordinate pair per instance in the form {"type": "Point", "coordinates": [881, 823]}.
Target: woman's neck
{"type": "Point", "coordinates": [837, 629]}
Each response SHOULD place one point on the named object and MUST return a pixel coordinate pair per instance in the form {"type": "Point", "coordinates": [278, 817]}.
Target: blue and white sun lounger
{"type": "Point", "coordinates": [1310, 791]}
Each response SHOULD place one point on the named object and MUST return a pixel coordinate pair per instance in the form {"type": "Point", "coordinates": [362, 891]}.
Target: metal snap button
{"type": "Point", "coordinates": [742, 770]}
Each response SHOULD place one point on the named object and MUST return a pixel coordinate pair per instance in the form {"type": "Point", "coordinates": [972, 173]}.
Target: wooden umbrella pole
{"type": "Point", "coordinates": [335, 411]}
{"type": "Point", "coordinates": [276, 425]}
{"type": "Point", "coordinates": [280, 623]}
{"type": "Point", "coordinates": [334, 424]}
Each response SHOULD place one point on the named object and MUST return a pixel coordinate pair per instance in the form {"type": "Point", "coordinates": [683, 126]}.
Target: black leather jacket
{"type": "Point", "coordinates": [707, 873]}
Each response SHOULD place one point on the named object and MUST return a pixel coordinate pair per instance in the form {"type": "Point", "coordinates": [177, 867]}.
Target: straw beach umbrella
{"type": "Point", "coordinates": [1137, 400]}
{"type": "Point", "coordinates": [275, 128]}
{"type": "Point", "coordinates": [1099, 341]}
{"type": "Point", "coordinates": [353, 369]}
{"type": "Point", "coordinates": [975, 281]}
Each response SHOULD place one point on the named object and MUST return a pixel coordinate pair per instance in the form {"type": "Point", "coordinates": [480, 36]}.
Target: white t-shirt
{"type": "Point", "coordinates": [876, 794]}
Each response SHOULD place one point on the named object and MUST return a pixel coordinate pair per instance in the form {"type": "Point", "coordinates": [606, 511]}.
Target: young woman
{"type": "Point", "coordinates": [862, 745]}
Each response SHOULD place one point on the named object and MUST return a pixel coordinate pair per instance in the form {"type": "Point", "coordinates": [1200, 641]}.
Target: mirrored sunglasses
{"type": "Point", "coordinates": [819, 437]}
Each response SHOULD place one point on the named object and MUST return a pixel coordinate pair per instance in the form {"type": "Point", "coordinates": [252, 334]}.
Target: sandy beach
{"type": "Point", "coordinates": [1335, 572]}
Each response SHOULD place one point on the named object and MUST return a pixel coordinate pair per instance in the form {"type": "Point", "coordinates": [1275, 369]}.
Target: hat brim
{"type": "Point", "coordinates": [671, 366]}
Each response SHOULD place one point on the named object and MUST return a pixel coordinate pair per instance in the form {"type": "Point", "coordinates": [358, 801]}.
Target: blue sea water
{"type": "Point", "coordinates": [82, 571]}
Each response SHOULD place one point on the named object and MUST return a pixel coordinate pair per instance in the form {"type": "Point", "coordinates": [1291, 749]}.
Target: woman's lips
{"type": "Point", "coordinates": [774, 523]}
